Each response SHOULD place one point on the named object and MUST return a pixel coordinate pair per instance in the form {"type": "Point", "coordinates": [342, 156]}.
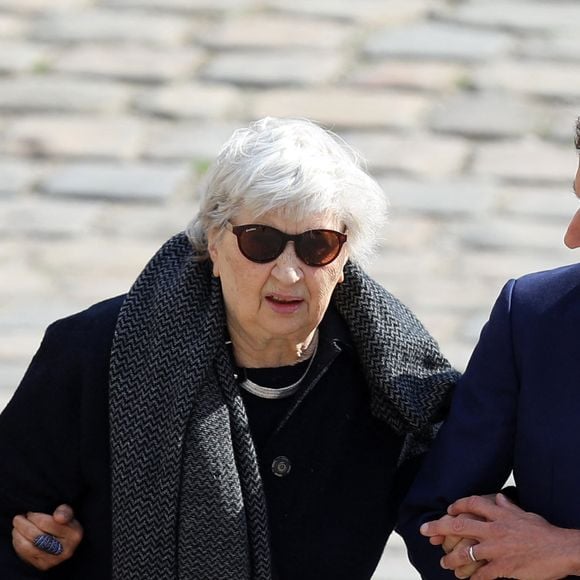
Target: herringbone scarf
{"type": "Point", "coordinates": [187, 496]}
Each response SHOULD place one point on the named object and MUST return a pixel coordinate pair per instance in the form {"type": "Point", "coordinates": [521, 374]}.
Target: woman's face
{"type": "Point", "coordinates": [284, 298]}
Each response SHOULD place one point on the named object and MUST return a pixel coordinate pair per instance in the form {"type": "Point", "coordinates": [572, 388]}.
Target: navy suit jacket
{"type": "Point", "coordinates": [517, 407]}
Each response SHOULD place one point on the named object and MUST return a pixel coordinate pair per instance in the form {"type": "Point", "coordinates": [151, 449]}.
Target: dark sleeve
{"type": "Point", "coordinates": [473, 453]}
{"type": "Point", "coordinates": [39, 440]}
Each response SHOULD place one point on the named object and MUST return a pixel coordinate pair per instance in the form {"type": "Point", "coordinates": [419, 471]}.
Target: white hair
{"type": "Point", "coordinates": [296, 166]}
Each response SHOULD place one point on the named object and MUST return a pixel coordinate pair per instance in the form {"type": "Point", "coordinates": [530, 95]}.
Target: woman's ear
{"type": "Point", "coordinates": [213, 250]}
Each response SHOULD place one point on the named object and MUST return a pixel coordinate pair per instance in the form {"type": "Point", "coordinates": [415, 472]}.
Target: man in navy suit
{"type": "Point", "coordinates": [516, 408]}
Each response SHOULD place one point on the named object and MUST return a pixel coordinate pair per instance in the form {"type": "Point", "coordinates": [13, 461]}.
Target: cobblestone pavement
{"type": "Point", "coordinates": [110, 111]}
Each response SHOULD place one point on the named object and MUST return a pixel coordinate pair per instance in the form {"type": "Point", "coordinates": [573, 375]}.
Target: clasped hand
{"type": "Point", "coordinates": [507, 541]}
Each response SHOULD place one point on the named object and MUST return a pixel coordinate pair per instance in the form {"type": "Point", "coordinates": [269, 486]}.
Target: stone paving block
{"type": "Point", "coordinates": [418, 154]}
{"type": "Point", "coordinates": [404, 234]}
{"type": "Point", "coordinates": [447, 199]}
{"type": "Point", "coordinates": [560, 124]}
{"type": "Point", "coordinates": [520, 16]}
{"type": "Point", "coordinates": [32, 7]}
{"type": "Point", "coordinates": [38, 219]}
{"type": "Point", "coordinates": [184, 6]}
{"type": "Point", "coordinates": [422, 76]}
{"type": "Point", "coordinates": [98, 267]}
{"type": "Point", "coordinates": [556, 205]}
{"type": "Point", "coordinates": [145, 227]}
{"type": "Point", "coordinates": [510, 235]}
{"type": "Point", "coordinates": [22, 278]}
{"type": "Point", "coordinates": [98, 25]}
{"type": "Point", "coordinates": [192, 101]}
{"type": "Point", "coordinates": [488, 264]}
{"type": "Point", "coordinates": [448, 294]}
{"type": "Point", "coordinates": [538, 78]}
{"type": "Point", "coordinates": [435, 40]}
{"type": "Point", "coordinates": [266, 31]}
{"type": "Point", "coordinates": [264, 69]}
{"type": "Point", "coordinates": [529, 161]}
{"type": "Point", "coordinates": [21, 57]}
{"type": "Point", "coordinates": [556, 47]}
{"type": "Point", "coordinates": [488, 116]}
{"type": "Point", "coordinates": [17, 315]}
{"type": "Point", "coordinates": [60, 94]}
{"type": "Point", "coordinates": [188, 141]}
{"type": "Point", "coordinates": [343, 107]}
{"type": "Point", "coordinates": [128, 183]}
{"type": "Point", "coordinates": [17, 347]}
{"type": "Point", "coordinates": [75, 136]}
{"type": "Point", "coordinates": [12, 26]}
{"type": "Point", "coordinates": [362, 11]}
{"type": "Point", "coordinates": [16, 177]}
{"type": "Point", "coordinates": [10, 377]}
{"type": "Point", "coordinates": [135, 63]}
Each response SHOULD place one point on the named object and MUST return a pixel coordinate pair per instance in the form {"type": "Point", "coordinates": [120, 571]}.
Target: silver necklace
{"type": "Point", "coordinates": [282, 392]}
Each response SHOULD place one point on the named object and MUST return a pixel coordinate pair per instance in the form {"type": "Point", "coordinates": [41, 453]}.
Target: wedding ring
{"type": "Point", "coordinates": [471, 554]}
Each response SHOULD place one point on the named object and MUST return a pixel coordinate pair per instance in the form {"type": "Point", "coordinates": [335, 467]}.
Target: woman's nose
{"type": "Point", "coordinates": [288, 267]}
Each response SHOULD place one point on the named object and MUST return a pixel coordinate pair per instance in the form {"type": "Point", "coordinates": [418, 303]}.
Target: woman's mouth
{"type": "Point", "coordinates": [284, 304]}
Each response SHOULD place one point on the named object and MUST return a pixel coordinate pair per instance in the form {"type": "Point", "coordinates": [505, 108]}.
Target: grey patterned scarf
{"type": "Point", "coordinates": [187, 496]}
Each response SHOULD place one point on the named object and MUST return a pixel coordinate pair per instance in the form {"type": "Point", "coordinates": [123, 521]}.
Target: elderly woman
{"type": "Point", "coordinates": [255, 407]}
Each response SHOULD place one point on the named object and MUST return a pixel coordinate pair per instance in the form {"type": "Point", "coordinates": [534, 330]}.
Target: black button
{"type": "Point", "coordinates": [281, 466]}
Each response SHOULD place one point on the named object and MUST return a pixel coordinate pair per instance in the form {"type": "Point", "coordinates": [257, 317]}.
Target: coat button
{"type": "Point", "coordinates": [281, 466]}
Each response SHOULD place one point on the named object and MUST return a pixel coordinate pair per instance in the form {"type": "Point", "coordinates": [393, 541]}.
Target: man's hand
{"type": "Point", "coordinates": [61, 524]}
{"type": "Point", "coordinates": [511, 542]}
{"type": "Point", "coordinates": [454, 543]}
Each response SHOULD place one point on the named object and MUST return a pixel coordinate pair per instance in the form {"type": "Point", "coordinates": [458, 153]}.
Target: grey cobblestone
{"type": "Point", "coordinates": [519, 16]}
{"type": "Point", "coordinates": [139, 63]}
{"type": "Point", "coordinates": [134, 182]}
{"type": "Point", "coordinates": [11, 26]}
{"type": "Point", "coordinates": [502, 234]}
{"type": "Point", "coordinates": [20, 57]}
{"type": "Point", "coordinates": [421, 76]}
{"type": "Point", "coordinates": [437, 41]}
{"type": "Point", "coordinates": [447, 199]}
{"type": "Point", "coordinates": [192, 101]}
{"type": "Point", "coordinates": [343, 108]}
{"type": "Point", "coordinates": [15, 177]}
{"type": "Point", "coordinates": [555, 47]}
{"type": "Point", "coordinates": [187, 141]}
{"type": "Point", "coordinates": [530, 161]}
{"type": "Point", "coordinates": [544, 205]}
{"type": "Point", "coordinates": [33, 7]}
{"type": "Point", "coordinates": [560, 125]}
{"type": "Point", "coordinates": [277, 32]}
{"type": "Point", "coordinates": [417, 154]}
{"type": "Point", "coordinates": [112, 26]}
{"type": "Point", "coordinates": [363, 11]}
{"type": "Point", "coordinates": [273, 68]}
{"type": "Point", "coordinates": [540, 78]}
{"type": "Point", "coordinates": [74, 136]}
{"type": "Point", "coordinates": [31, 218]}
{"type": "Point", "coordinates": [193, 7]}
{"type": "Point", "coordinates": [60, 94]}
{"type": "Point", "coordinates": [488, 116]}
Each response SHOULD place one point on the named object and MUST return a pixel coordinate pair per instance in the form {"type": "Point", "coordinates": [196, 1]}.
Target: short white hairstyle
{"type": "Point", "coordinates": [291, 165]}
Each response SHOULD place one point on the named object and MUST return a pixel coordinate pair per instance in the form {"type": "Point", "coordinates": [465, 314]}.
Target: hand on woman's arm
{"type": "Point", "coordinates": [61, 525]}
{"type": "Point", "coordinates": [512, 543]}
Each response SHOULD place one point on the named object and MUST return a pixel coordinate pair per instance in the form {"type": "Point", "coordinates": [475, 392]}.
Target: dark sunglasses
{"type": "Point", "coordinates": [263, 244]}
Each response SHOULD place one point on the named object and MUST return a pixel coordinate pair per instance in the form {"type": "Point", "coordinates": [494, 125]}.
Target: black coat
{"type": "Point", "coordinates": [329, 518]}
